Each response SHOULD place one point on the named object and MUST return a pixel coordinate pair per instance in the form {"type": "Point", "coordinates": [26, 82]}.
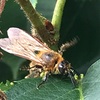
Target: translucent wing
{"type": "Point", "coordinates": [22, 44]}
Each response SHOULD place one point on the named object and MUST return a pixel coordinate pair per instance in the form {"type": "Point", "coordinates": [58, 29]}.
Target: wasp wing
{"type": "Point", "coordinates": [22, 44]}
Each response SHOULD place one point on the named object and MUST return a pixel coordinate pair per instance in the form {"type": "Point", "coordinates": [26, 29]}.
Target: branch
{"type": "Point", "coordinates": [57, 16]}
{"type": "Point", "coordinates": [34, 18]}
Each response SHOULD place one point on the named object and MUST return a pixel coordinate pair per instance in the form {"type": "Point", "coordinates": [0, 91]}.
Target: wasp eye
{"type": "Point", "coordinates": [61, 68]}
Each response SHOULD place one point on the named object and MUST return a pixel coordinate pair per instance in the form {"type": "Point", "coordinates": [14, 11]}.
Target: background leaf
{"type": "Point", "coordinates": [34, 2]}
{"type": "Point", "coordinates": [46, 10]}
{"type": "Point", "coordinates": [81, 18]}
{"type": "Point", "coordinates": [91, 82]}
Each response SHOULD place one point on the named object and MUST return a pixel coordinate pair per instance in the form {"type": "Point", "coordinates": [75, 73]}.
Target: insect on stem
{"type": "Point", "coordinates": [44, 61]}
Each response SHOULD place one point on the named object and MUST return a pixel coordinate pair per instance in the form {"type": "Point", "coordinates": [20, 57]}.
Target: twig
{"type": "Point", "coordinates": [57, 16]}
{"type": "Point", "coordinates": [34, 18]}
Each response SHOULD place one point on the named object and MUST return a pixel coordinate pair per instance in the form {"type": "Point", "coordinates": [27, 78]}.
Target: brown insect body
{"type": "Point", "coordinates": [44, 60]}
{"type": "Point", "coordinates": [52, 60]}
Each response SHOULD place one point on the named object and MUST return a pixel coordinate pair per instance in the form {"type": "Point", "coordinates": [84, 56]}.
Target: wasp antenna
{"type": "Point", "coordinates": [68, 45]}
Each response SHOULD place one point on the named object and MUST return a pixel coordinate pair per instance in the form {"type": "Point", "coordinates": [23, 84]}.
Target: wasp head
{"type": "Point", "coordinates": [65, 68]}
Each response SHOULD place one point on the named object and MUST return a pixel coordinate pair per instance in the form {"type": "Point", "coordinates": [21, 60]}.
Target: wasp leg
{"type": "Point", "coordinates": [44, 78]}
{"type": "Point", "coordinates": [71, 76]}
{"type": "Point", "coordinates": [34, 71]}
{"type": "Point", "coordinates": [75, 72]}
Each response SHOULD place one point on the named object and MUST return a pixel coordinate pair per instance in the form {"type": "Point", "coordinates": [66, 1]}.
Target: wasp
{"type": "Point", "coordinates": [44, 61]}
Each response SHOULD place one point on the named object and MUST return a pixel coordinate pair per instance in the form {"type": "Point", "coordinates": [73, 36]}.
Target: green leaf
{"type": "Point", "coordinates": [91, 83]}
{"type": "Point", "coordinates": [58, 88]}
{"type": "Point", "coordinates": [54, 88]}
{"type": "Point", "coordinates": [7, 86]}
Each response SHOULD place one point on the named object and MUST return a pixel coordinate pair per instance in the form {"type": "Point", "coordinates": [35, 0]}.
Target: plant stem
{"type": "Point", "coordinates": [57, 16]}
{"type": "Point", "coordinates": [33, 17]}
